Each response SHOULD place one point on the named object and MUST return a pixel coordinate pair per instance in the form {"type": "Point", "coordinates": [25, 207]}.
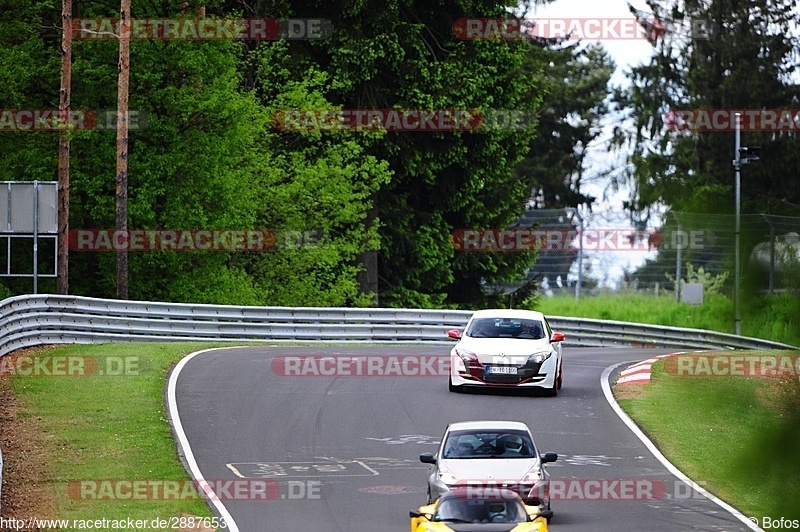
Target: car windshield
{"type": "Point", "coordinates": [465, 510]}
{"type": "Point", "coordinates": [488, 444]}
{"type": "Point", "coordinates": [526, 329]}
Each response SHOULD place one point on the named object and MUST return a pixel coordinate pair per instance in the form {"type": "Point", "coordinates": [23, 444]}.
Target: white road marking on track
{"type": "Point", "coordinates": [604, 384]}
{"type": "Point", "coordinates": [408, 438]}
{"type": "Point", "coordinates": [183, 441]}
{"type": "Point", "coordinates": [344, 468]}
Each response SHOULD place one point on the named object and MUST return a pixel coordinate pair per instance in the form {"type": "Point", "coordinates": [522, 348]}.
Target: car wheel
{"type": "Point", "coordinates": [553, 392]}
{"type": "Point", "coordinates": [452, 387]}
{"type": "Point", "coordinates": [560, 379]}
{"type": "Point", "coordinates": [430, 499]}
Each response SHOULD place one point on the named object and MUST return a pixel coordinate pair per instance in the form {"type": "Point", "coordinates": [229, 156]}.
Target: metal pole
{"type": "Point", "coordinates": [737, 325]}
{"type": "Point", "coordinates": [771, 255]}
{"type": "Point", "coordinates": [8, 228]}
{"type": "Point", "coordinates": [679, 256]}
{"type": "Point", "coordinates": [578, 286]}
{"type": "Point", "coordinates": [35, 237]}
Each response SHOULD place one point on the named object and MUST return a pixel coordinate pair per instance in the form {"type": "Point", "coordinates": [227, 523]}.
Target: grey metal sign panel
{"type": "Point", "coordinates": [17, 207]}
{"type": "Point", "coordinates": [48, 207]}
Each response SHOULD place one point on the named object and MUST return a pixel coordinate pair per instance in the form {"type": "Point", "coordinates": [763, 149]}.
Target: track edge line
{"type": "Point", "coordinates": [634, 428]}
{"type": "Point", "coordinates": [183, 442]}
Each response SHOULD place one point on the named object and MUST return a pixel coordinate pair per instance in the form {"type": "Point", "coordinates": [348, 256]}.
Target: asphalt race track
{"type": "Point", "coordinates": [344, 450]}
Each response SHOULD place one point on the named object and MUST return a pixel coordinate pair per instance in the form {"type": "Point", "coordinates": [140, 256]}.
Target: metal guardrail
{"type": "Point", "coordinates": [31, 320]}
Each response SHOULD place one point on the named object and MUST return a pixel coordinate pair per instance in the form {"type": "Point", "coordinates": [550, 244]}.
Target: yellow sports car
{"type": "Point", "coordinates": [468, 510]}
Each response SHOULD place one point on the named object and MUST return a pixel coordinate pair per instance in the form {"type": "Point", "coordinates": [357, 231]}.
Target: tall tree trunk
{"type": "Point", "coordinates": [122, 146]}
{"type": "Point", "coordinates": [63, 148]}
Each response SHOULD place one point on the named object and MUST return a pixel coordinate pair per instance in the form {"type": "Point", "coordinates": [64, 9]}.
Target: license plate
{"type": "Point", "coordinates": [508, 370]}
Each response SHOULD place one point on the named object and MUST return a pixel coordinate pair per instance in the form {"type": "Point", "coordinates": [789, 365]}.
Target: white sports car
{"type": "Point", "coordinates": [506, 349]}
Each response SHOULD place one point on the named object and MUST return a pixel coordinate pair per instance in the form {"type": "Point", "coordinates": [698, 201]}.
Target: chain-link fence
{"type": "Point", "coordinates": [584, 254]}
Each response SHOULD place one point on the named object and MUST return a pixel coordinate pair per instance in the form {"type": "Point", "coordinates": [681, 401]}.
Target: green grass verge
{"type": "Point", "coordinates": [738, 436]}
{"type": "Point", "coordinates": [772, 318]}
{"type": "Point", "coordinates": [109, 427]}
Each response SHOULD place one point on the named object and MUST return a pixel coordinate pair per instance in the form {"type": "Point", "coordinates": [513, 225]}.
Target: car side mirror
{"type": "Point", "coordinates": [455, 334]}
{"type": "Point", "coordinates": [549, 457]}
{"type": "Point", "coordinates": [413, 513]}
{"type": "Point", "coordinates": [427, 458]}
{"type": "Point", "coordinates": [557, 337]}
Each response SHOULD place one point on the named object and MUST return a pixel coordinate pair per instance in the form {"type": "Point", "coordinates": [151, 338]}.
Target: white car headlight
{"type": "Point", "coordinates": [534, 475]}
{"type": "Point", "coordinates": [467, 357]}
{"type": "Point", "coordinates": [539, 358]}
{"type": "Point", "coordinates": [447, 477]}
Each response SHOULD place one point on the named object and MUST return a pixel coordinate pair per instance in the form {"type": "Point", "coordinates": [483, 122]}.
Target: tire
{"type": "Point", "coordinates": [560, 378]}
{"type": "Point", "coordinates": [430, 501]}
{"type": "Point", "coordinates": [553, 392]}
{"type": "Point", "coordinates": [453, 388]}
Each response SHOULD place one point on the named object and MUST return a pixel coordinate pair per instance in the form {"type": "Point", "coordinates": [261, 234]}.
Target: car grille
{"type": "Point", "coordinates": [499, 378]}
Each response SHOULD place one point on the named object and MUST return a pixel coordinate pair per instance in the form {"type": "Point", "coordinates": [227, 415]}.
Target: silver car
{"type": "Point", "coordinates": [507, 349]}
{"type": "Point", "coordinates": [490, 456]}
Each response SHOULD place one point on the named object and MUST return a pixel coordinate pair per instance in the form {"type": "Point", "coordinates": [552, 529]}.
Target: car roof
{"type": "Point", "coordinates": [491, 425]}
{"type": "Point", "coordinates": [509, 313]}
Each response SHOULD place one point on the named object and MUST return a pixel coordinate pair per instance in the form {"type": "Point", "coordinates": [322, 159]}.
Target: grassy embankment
{"type": "Point", "coordinates": [736, 435]}
{"type": "Point", "coordinates": [776, 318]}
{"type": "Point", "coordinates": [99, 427]}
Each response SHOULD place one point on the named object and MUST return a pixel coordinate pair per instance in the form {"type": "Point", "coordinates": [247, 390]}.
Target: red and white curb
{"type": "Point", "coordinates": [640, 372]}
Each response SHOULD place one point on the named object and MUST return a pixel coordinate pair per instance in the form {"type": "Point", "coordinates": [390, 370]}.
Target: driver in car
{"type": "Point", "coordinates": [497, 512]}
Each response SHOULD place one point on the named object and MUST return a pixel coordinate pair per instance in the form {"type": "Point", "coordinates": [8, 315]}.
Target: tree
{"type": "Point", "coordinates": [744, 61]}
{"type": "Point", "coordinates": [63, 149]}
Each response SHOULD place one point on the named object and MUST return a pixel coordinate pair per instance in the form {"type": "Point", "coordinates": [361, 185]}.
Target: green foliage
{"type": "Point", "coordinates": [712, 284]}
{"type": "Point", "coordinates": [746, 62]}
{"type": "Point", "coordinates": [771, 318]}
{"type": "Point", "coordinates": [207, 156]}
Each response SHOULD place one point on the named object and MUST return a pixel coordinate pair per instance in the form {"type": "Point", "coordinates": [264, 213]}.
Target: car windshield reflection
{"type": "Point", "coordinates": [505, 444]}
{"type": "Point", "coordinates": [463, 510]}
{"type": "Point", "coordinates": [506, 328]}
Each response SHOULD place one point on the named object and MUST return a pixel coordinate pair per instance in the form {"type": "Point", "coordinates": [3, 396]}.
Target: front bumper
{"type": "Point", "coordinates": [529, 376]}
